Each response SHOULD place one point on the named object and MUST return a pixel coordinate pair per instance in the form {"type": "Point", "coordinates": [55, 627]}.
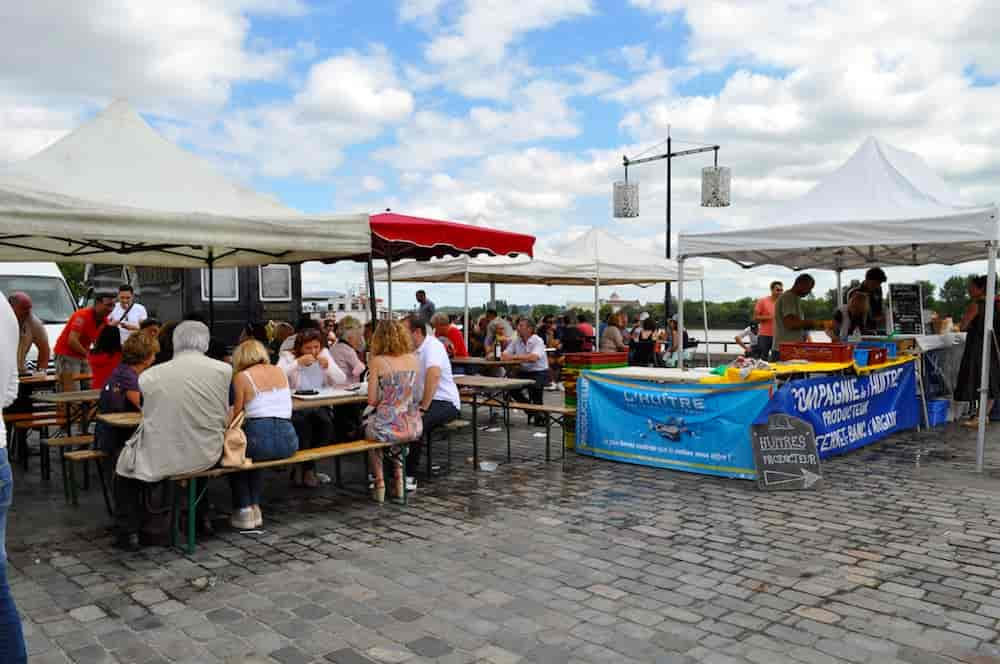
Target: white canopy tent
{"type": "Point", "coordinates": [595, 259]}
{"type": "Point", "coordinates": [116, 191]}
{"type": "Point", "coordinates": [883, 206]}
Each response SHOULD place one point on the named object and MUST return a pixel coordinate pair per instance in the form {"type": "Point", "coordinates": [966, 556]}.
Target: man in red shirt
{"type": "Point", "coordinates": [763, 313]}
{"type": "Point", "coordinates": [77, 337]}
{"type": "Point", "coordinates": [449, 335]}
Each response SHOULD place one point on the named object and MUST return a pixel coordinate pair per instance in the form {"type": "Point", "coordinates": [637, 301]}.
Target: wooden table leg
{"type": "Point", "coordinates": [475, 431]}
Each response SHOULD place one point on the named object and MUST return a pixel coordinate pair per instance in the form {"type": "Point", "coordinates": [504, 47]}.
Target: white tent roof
{"type": "Point", "coordinates": [116, 191]}
{"type": "Point", "coordinates": [594, 256]}
{"type": "Point", "coordinates": [883, 205]}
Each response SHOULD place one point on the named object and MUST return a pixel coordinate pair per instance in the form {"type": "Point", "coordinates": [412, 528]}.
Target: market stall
{"type": "Point", "coordinates": [595, 259]}
{"type": "Point", "coordinates": [884, 206]}
{"type": "Point", "coordinates": [115, 191]}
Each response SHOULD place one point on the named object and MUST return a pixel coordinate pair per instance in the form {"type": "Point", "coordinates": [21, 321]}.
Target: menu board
{"type": "Point", "coordinates": [784, 452]}
{"type": "Point", "coordinates": [907, 308]}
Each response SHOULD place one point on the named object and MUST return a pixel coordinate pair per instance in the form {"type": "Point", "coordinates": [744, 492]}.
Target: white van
{"type": "Point", "coordinates": [50, 295]}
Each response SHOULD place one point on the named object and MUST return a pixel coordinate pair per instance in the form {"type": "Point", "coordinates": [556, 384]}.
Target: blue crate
{"type": "Point", "coordinates": [937, 411]}
{"type": "Point", "coordinates": [891, 349]}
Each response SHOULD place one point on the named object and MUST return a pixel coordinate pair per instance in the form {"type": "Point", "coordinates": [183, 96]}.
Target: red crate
{"type": "Point", "coordinates": [817, 352]}
{"type": "Point", "coordinates": [875, 355]}
{"type": "Point", "coordinates": [591, 359]}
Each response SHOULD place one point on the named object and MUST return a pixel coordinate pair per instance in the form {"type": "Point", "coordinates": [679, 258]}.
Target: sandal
{"type": "Point", "coordinates": [309, 480]}
{"type": "Point", "coordinates": [378, 493]}
{"type": "Point", "coordinates": [973, 423]}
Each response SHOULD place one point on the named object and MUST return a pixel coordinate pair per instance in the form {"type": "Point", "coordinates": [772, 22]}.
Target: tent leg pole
{"type": "Point", "coordinates": [680, 315]}
{"type": "Point", "coordinates": [704, 319]}
{"type": "Point", "coordinates": [372, 302]}
{"type": "Point", "coordinates": [465, 325]}
{"type": "Point", "coordinates": [388, 275]}
{"type": "Point", "coordinates": [597, 313]}
{"type": "Point", "coordinates": [839, 300]}
{"type": "Point", "coordinates": [211, 291]}
{"type": "Point", "coordinates": [988, 342]}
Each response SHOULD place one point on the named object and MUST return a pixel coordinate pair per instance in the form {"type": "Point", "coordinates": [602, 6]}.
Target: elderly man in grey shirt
{"type": "Point", "coordinates": [529, 349]}
{"type": "Point", "coordinates": [184, 410]}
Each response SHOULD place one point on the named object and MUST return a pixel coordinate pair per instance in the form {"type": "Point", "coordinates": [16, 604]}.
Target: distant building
{"type": "Point", "coordinates": [615, 302]}
{"type": "Point", "coordinates": [337, 305]}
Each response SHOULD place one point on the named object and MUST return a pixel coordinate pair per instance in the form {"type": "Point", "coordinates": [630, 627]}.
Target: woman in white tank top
{"type": "Point", "coordinates": [261, 391]}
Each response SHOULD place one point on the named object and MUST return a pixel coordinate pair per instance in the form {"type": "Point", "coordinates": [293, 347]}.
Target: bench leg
{"type": "Point", "coordinates": [86, 476]}
{"type": "Point", "coordinates": [44, 460]}
{"type": "Point", "coordinates": [506, 424]}
{"type": "Point", "coordinates": [175, 513]}
{"type": "Point", "coordinates": [403, 451]}
{"type": "Point", "coordinates": [192, 515]}
{"type": "Point", "coordinates": [548, 435]}
{"type": "Point", "coordinates": [104, 487]}
{"type": "Point", "coordinates": [65, 474]}
{"type": "Point", "coordinates": [428, 442]}
{"type": "Point", "coordinates": [336, 472]}
{"type": "Point", "coordinates": [22, 443]}
{"type": "Point", "coordinates": [72, 484]}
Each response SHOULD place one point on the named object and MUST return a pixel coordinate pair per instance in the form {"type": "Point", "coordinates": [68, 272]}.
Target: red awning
{"type": "Point", "coordinates": [401, 236]}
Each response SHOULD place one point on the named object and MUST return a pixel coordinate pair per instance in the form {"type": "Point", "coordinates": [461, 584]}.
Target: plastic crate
{"type": "Point", "coordinates": [891, 348]}
{"type": "Point", "coordinates": [869, 357]}
{"type": "Point", "coordinates": [816, 352]}
{"type": "Point", "coordinates": [937, 411]}
{"type": "Point", "coordinates": [592, 360]}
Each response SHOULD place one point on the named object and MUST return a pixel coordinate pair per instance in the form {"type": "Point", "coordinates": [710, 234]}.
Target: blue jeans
{"type": "Point", "coordinates": [12, 647]}
{"type": "Point", "coordinates": [267, 438]}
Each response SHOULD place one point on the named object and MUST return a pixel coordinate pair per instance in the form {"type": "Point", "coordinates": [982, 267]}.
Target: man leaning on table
{"type": "Point", "coordinates": [435, 386]}
{"type": "Point", "coordinates": [529, 349]}
{"type": "Point", "coordinates": [31, 332]}
{"type": "Point", "coordinates": [73, 345]}
{"type": "Point", "coordinates": [790, 325]}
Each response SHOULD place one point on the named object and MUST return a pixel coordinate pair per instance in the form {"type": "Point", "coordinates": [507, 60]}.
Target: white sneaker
{"type": "Point", "coordinates": [411, 484]}
{"type": "Point", "coordinates": [552, 387]}
{"type": "Point", "coordinates": [244, 519]}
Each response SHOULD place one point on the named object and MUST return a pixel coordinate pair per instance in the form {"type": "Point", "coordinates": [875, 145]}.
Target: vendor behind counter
{"type": "Point", "coordinates": [790, 324]}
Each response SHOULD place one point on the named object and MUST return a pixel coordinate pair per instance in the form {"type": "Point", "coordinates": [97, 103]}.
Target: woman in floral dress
{"type": "Point", "coordinates": [394, 416]}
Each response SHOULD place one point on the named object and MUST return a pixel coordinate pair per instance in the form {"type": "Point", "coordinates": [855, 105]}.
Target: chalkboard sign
{"type": "Point", "coordinates": [907, 308]}
{"type": "Point", "coordinates": [784, 451]}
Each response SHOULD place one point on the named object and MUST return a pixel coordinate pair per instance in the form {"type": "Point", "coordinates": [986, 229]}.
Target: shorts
{"type": "Point", "coordinates": [72, 366]}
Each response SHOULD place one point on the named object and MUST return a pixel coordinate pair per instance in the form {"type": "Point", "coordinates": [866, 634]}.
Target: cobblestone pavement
{"type": "Point", "coordinates": [893, 560]}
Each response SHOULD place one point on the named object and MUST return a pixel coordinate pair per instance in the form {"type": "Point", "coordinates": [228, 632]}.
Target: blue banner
{"type": "Point", "coordinates": [848, 412]}
{"type": "Point", "coordinates": [696, 428]}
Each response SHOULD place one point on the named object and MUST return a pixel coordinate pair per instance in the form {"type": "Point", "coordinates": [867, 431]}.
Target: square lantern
{"type": "Point", "coordinates": [715, 186]}
{"type": "Point", "coordinates": [626, 199]}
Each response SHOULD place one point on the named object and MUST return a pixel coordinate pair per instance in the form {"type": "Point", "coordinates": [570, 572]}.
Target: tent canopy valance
{"type": "Point", "coordinates": [116, 191]}
{"type": "Point", "coordinates": [594, 257]}
{"type": "Point", "coordinates": [397, 237]}
{"type": "Point", "coordinates": [882, 206]}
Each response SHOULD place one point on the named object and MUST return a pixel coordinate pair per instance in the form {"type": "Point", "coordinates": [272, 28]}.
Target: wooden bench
{"type": "Point", "coordinates": [302, 456]}
{"type": "Point", "coordinates": [553, 414]}
{"type": "Point", "coordinates": [62, 443]}
{"type": "Point", "coordinates": [70, 459]}
{"type": "Point", "coordinates": [41, 422]}
{"type": "Point", "coordinates": [449, 428]}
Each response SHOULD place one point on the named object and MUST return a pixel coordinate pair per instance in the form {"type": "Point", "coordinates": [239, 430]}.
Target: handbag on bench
{"type": "Point", "coordinates": [234, 445]}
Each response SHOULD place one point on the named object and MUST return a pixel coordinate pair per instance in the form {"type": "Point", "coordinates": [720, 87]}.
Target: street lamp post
{"type": "Point", "coordinates": [714, 192]}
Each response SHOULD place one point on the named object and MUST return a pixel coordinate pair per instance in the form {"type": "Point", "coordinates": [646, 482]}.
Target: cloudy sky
{"type": "Point", "coordinates": [516, 114]}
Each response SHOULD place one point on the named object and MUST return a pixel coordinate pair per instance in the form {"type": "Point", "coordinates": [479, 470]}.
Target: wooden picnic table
{"type": "Point", "coordinates": [36, 379]}
{"type": "Point", "coordinates": [337, 398]}
{"type": "Point", "coordinates": [77, 405]}
{"type": "Point", "coordinates": [489, 388]}
{"type": "Point", "coordinates": [484, 362]}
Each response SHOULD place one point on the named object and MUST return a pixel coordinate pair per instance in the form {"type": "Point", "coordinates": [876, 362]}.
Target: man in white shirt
{"type": "Point", "coordinates": [439, 402]}
{"type": "Point", "coordinates": [11, 634]}
{"type": "Point", "coordinates": [748, 340]}
{"type": "Point", "coordinates": [528, 348]}
{"type": "Point", "coordinates": [127, 314]}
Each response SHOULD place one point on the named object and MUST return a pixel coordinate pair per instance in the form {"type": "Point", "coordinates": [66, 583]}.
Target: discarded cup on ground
{"type": "Point", "coordinates": [488, 466]}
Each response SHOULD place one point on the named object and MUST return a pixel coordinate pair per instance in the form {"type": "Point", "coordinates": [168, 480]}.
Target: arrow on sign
{"type": "Point", "coordinates": [809, 478]}
{"type": "Point", "coordinates": [773, 477]}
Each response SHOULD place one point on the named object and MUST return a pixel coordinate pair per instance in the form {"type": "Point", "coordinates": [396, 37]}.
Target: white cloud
{"type": "Point", "coordinates": [345, 100]}
{"type": "Point", "coordinates": [539, 111]}
{"type": "Point", "coordinates": [355, 87]}
{"type": "Point", "coordinates": [185, 52]}
{"type": "Point", "coordinates": [372, 183]}
{"type": "Point", "coordinates": [472, 53]}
